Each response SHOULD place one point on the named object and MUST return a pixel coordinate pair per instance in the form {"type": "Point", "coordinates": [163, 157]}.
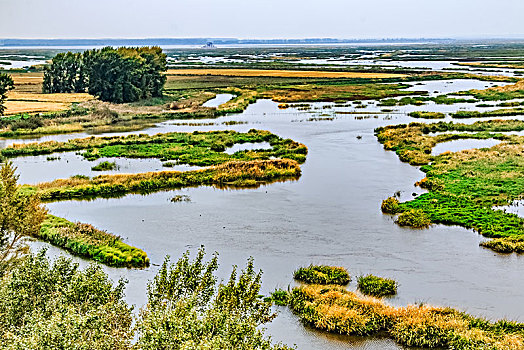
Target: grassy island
{"type": "Point", "coordinates": [464, 187]}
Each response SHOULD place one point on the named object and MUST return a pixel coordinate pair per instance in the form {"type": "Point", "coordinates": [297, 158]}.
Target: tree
{"type": "Point", "coordinates": [20, 215]}
{"type": "Point", "coordinates": [55, 305]}
{"type": "Point", "coordinates": [120, 75]}
{"type": "Point", "coordinates": [6, 84]}
{"type": "Point", "coordinates": [188, 309]}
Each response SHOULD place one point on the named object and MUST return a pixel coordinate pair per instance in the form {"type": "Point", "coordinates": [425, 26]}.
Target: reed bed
{"type": "Point", "coordinates": [89, 242]}
{"type": "Point", "coordinates": [337, 310]}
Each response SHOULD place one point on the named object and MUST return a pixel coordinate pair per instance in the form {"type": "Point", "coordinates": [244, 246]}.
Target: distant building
{"type": "Point", "coordinates": [209, 45]}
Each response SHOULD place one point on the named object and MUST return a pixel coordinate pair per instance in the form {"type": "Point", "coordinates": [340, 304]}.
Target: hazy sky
{"type": "Point", "coordinates": [260, 18]}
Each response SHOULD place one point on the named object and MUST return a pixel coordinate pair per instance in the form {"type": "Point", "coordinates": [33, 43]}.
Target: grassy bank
{"type": "Point", "coordinates": [464, 186]}
{"type": "Point", "coordinates": [86, 241]}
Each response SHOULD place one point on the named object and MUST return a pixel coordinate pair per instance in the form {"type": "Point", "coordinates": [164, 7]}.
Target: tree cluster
{"type": "Point", "coordinates": [124, 74]}
{"type": "Point", "coordinates": [6, 84]}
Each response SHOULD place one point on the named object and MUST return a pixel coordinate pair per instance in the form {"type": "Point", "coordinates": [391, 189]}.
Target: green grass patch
{"type": "Point", "coordinates": [322, 274]}
{"type": "Point", "coordinates": [105, 166]}
{"type": "Point", "coordinates": [87, 241]}
{"type": "Point", "coordinates": [376, 286]}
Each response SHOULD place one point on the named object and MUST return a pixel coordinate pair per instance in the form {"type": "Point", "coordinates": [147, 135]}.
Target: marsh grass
{"type": "Point", "coordinates": [337, 310]}
{"type": "Point", "coordinates": [376, 286]}
{"type": "Point", "coordinates": [87, 241]}
{"type": "Point", "coordinates": [105, 166]}
{"type": "Point", "coordinates": [322, 274]}
{"type": "Point", "coordinates": [465, 186]}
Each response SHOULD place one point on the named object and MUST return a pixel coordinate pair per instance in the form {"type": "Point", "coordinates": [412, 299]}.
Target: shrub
{"type": "Point", "coordinates": [376, 286]}
{"type": "Point", "coordinates": [322, 274]}
{"type": "Point", "coordinates": [415, 218]}
{"type": "Point", "coordinates": [390, 205]}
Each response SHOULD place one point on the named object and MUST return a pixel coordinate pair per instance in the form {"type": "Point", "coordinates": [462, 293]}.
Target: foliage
{"type": "Point", "coordinates": [55, 305]}
{"type": "Point", "coordinates": [427, 115]}
{"type": "Point", "coordinates": [197, 148]}
{"type": "Point", "coordinates": [20, 215]}
{"type": "Point", "coordinates": [323, 274]}
{"type": "Point", "coordinates": [280, 297]}
{"type": "Point", "coordinates": [390, 205]}
{"type": "Point", "coordinates": [188, 309]}
{"type": "Point", "coordinates": [115, 75]}
{"type": "Point", "coordinates": [235, 174]}
{"type": "Point", "coordinates": [496, 113]}
{"type": "Point", "coordinates": [415, 218]}
{"type": "Point", "coordinates": [104, 166]}
{"type": "Point", "coordinates": [464, 186]}
{"type": "Point", "coordinates": [87, 241]}
{"type": "Point", "coordinates": [338, 310]}
{"type": "Point", "coordinates": [376, 286]}
{"type": "Point", "coordinates": [6, 84]}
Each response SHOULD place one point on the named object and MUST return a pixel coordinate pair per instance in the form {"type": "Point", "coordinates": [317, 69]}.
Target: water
{"type": "Point", "coordinates": [461, 145]}
{"type": "Point", "coordinates": [218, 100]}
{"type": "Point", "coordinates": [331, 215]}
{"type": "Point", "coordinates": [248, 147]}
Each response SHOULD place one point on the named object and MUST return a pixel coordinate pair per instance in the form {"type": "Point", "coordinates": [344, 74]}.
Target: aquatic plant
{"type": "Point", "coordinates": [87, 241]}
{"type": "Point", "coordinates": [390, 205]}
{"type": "Point", "coordinates": [280, 297]}
{"type": "Point", "coordinates": [105, 166]}
{"type": "Point", "coordinates": [231, 173]}
{"type": "Point", "coordinates": [337, 310]}
{"type": "Point", "coordinates": [376, 286]}
{"type": "Point", "coordinates": [322, 274]}
{"type": "Point", "coordinates": [427, 115]}
{"type": "Point", "coordinates": [415, 218]}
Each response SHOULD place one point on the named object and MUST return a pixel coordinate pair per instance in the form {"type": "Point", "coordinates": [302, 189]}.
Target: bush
{"type": "Point", "coordinates": [376, 286]}
{"type": "Point", "coordinates": [415, 218]}
{"type": "Point", "coordinates": [322, 274]}
{"type": "Point", "coordinates": [390, 205]}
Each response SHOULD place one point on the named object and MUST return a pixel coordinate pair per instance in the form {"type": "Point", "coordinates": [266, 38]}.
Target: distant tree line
{"type": "Point", "coordinates": [124, 74]}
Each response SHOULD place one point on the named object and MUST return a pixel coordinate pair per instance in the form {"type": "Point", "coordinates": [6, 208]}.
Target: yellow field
{"type": "Point", "coordinates": [27, 96]}
{"type": "Point", "coordinates": [281, 73]}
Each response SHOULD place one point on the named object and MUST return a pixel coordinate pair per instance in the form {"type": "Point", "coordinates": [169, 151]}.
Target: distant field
{"type": "Point", "coordinates": [282, 73]}
{"type": "Point", "coordinates": [27, 97]}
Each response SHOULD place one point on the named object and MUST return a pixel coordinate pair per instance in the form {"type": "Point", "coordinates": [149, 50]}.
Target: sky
{"type": "Point", "coordinates": [344, 19]}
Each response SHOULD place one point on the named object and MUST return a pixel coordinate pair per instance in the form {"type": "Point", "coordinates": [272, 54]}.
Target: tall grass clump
{"type": "Point", "coordinates": [376, 286]}
{"type": "Point", "coordinates": [337, 310]}
{"type": "Point", "coordinates": [390, 205]}
{"type": "Point", "coordinates": [415, 218]}
{"type": "Point", "coordinates": [323, 274]}
{"type": "Point", "coordinates": [89, 242]}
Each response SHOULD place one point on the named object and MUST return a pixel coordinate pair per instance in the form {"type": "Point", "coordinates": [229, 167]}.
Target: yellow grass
{"type": "Point", "coordinates": [15, 107]}
{"type": "Point", "coordinates": [281, 73]}
{"type": "Point", "coordinates": [27, 97]}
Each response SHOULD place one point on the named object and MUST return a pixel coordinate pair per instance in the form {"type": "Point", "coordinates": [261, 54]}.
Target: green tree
{"type": "Point", "coordinates": [188, 309]}
{"type": "Point", "coordinates": [58, 306]}
{"type": "Point", "coordinates": [6, 84]}
{"type": "Point", "coordinates": [20, 216]}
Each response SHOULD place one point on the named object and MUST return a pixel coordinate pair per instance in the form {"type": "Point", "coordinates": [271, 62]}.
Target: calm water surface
{"type": "Point", "coordinates": [331, 215]}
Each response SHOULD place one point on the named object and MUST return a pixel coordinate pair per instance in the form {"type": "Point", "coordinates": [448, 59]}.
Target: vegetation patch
{"type": "Point", "coordinates": [89, 242]}
{"type": "Point", "coordinates": [322, 274]}
{"type": "Point", "coordinates": [376, 286]}
{"type": "Point", "coordinates": [234, 174]}
{"type": "Point", "coordinates": [497, 113]}
{"type": "Point", "coordinates": [337, 310]}
{"type": "Point", "coordinates": [105, 166]}
{"type": "Point", "coordinates": [464, 187]}
{"type": "Point", "coordinates": [197, 148]}
{"type": "Point", "coordinates": [427, 115]}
